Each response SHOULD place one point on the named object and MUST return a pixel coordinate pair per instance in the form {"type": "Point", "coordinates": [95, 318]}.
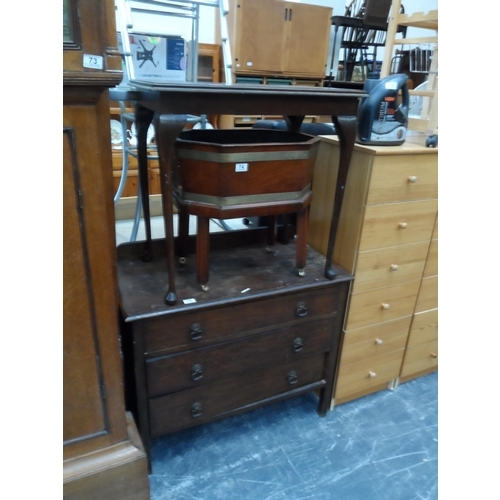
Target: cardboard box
{"type": "Point", "coordinates": [158, 58]}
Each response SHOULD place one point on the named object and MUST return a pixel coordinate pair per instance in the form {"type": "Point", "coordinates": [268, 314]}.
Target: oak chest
{"type": "Point", "coordinates": [261, 334]}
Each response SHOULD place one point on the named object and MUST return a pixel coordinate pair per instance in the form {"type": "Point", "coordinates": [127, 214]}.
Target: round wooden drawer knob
{"type": "Point", "coordinates": [403, 225]}
{"type": "Point", "coordinates": [434, 355]}
{"type": "Point", "coordinates": [394, 267]}
{"type": "Point", "coordinates": [379, 341]}
{"type": "Point", "coordinates": [412, 179]}
{"type": "Point", "coordinates": [385, 306]}
{"type": "Point", "coordinates": [372, 374]}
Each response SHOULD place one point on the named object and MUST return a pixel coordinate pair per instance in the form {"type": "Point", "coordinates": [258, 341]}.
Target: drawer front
{"type": "Point", "coordinates": [431, 266]}
{"type": "Point", "coordinates": [435, 234]}
{"type": "Point", "coordinates": [403, 178]}
{"type": "Point", "coordinates": [390, 266]}
{"type": "Point", "coordinates": [199, 405]}
{"type": "Point", "coordinates": [375, 340]}
{"type": "Point", "coordinates": [382, 304]}
{"type": "Point", "coordinates": [196, 328]}
{"type": "Point", "coordinates": [397, 224]}
{"type": "Point", "coordinates": [209, 364]}
{"type": "Point", "coordinates": [368, 373]}
{"type": "Point", "coordinates": [420, 357]}
{"type": "Point", "coordinates": [424, 328]}
{"type": "Point", "coordinates": [428, 295]}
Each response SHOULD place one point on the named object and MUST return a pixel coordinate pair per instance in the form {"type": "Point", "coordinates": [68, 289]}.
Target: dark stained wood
{"type": "Point", "coordinates": [260, 334]}
{"type": "Point", "coordinates": [173, 412]}
{"type": "Point", "coordinates": [174, 372]}
{"type": "Point", "coordinates": [235, 264]}
{"type": "Point", "coordinates": [293, 102]}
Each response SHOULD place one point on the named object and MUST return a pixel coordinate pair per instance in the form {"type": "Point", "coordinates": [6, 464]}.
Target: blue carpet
{"type": "Point", "coordinates": [379, 447]}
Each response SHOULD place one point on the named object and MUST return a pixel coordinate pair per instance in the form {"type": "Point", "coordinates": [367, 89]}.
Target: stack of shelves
{"type": "Point", "coordinates": [427, 121]}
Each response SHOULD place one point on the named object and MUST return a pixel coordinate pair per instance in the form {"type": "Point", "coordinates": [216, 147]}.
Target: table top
{"type": "Point", "coordinates": [219, 98]}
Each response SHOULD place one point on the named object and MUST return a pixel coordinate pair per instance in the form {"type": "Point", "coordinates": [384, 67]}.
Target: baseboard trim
{"type": "Point", "coordinates": [118, 472]}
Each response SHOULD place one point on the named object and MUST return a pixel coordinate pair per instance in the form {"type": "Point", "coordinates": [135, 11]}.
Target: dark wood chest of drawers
{"type": "Point", "coordinates": [259, 335]}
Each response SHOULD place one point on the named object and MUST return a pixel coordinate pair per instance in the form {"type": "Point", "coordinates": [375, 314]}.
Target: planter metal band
{"type": "Point", "coordinates": [246, 157]}
{"type": "Point", "coordinates": [246, 199]}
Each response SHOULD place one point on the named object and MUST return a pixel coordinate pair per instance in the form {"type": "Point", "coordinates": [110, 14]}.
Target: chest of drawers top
{"type": "Point", "coordinates": [250, 288]}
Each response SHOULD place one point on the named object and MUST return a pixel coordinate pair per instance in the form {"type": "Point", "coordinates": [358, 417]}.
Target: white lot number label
{"type": "Point", "coordinates": [241, 167]}
{"type": "Point", "coordinates": [91, 61]}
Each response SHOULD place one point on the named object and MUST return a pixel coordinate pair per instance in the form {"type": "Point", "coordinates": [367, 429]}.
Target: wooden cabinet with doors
{"type": "Point", "coordinates": [385, 238]}
{"type": "Point", "coordinates": [103, 456]}
{"type": "Point", "coordinates": [279, 37]}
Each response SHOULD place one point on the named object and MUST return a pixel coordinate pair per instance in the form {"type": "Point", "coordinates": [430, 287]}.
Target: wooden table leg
{"type": "Point", "coordinates": [202, 251]}
{"type": "Point", "coordinates": [183, 234]}
{"type": "Point", "coordinates": [301, 244]}
{"type": "Point", "coordinates": [346, 131]}
{"type": "Point", "coordinates": [271, 232]}
{"type": "Point", "coordinates": [143, 118]}
{"type": "Point", "coordinates": [168, 128]}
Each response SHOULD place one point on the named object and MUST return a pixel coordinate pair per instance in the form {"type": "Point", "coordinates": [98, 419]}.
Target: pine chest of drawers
{"type": "Point", "coordinates": [261, 334]}
{"type": "Point", "coordinates": [386, 239]}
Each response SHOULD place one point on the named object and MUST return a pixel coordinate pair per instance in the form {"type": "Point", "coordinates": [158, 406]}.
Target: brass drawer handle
{"type": "Point", "coordinates": [301, 309]}
{"type": "Point", "coordinates": [195, 331]}
{"type": "Point", "coordinates": [297, 345]}
{"type": "Point", "coordinates": [292, 377]}
{"type": "Point", "coordinates": [197, 372]}
{"type": "Point", "coordinates": [196, 410]}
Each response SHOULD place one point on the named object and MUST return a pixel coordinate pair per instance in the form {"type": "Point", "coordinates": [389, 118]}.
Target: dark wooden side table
{"type": "Point", "coordinates": [261, 334]}
{"type": "Point", "coordinates": [169, 105]}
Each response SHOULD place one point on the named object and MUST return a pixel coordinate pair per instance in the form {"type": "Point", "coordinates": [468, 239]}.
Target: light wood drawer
{"type": "Point", "coordinates": [435, 232]}
{"type": "Point", "coordinates": [420, 357]}
{"type": "Point", "coordinates": [428, 295]}
{"type": "Point", "coordinates": [375, 340]}
{"type": "Point", "coordinates": [398, 224]}
{"type": "Point", "coordinates": [424, 327]}
{"type": "Point", "coordinates": [368, 373]}
{"type": "Point", "coordinates": [431, 266]}
{"type": "Point", "coordinates": [403, 178]}
{"type": "Point", "coordinates": [390, 266]}
{"type": "Point", "coordinates": [382, 304]}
